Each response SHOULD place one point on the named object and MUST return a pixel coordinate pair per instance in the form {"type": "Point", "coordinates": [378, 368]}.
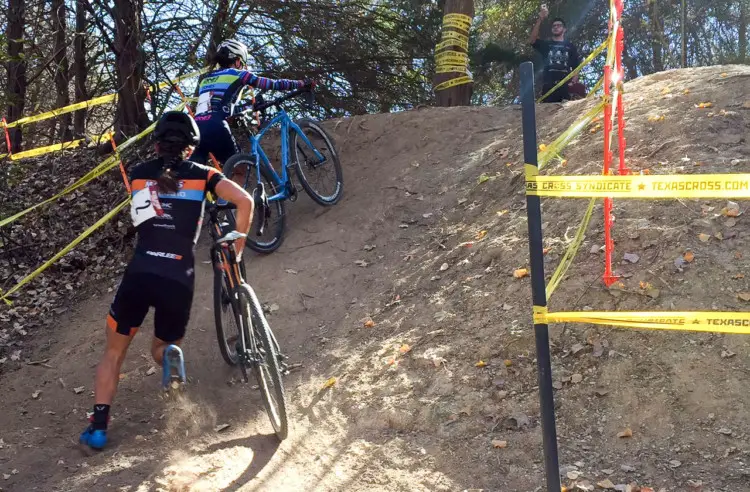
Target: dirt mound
{"type": "Point", "coordinates": [427, 251]}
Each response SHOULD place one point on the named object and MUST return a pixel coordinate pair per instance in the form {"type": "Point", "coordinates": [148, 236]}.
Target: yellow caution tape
{"type": "Point", "coordinates": [719, 322]}
{"type": "Point", "coordinates": [107, 164]}
{"type": "Point", "coordinates": [572, 250]}
{"type": "Point", "coordinates": [461, 43]}
{"type": "Point", "coordinates": [450, 69]}
{"type": "Point", "coordinates": [458, 17]}
{"type": "Point", "coordinates": [446, 35]}
{"type": "Point", "coordinates": [575, 71]}
{"type": "Point", "coordinates": [97, 101]}
{"type": "Point", "coordinates": [597, 86]}
{"type": "Point", "coordinates": [638, 186]}
{"type": "Point", "coordinates": [554, 148]}
{"type": "Point", "coordinates": [451, 58]}
{"type": "Point", "coordinates": [65, 250]}
{"type": "Point", "coordinates": [71, 144]}
{"type": "Point", "coordinates": [453, 83]}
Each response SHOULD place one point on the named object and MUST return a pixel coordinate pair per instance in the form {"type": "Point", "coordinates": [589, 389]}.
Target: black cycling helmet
{"type": "Point", "coordinates": [178, 127]}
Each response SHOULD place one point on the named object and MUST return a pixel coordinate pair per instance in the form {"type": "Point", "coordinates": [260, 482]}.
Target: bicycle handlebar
{"type": "Point", "coordinates": [273, 103]}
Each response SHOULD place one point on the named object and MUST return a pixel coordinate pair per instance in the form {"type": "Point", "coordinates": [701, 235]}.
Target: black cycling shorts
{"type": "Point", "coordinates": [138, 292]}
{"type": "Point", "coordinates": [216, 138]}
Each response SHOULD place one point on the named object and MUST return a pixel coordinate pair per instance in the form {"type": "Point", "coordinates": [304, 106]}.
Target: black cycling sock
{"type": "Point", "coordinates": [100, 419]}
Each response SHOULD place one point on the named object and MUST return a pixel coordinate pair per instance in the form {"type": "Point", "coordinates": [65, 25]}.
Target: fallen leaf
{"type": "Point", "coordinates": [542, 147]}
{"type": "Point", "coordinates": [508, 362]}
{"type": "Point", "coordinates": [689, 256]}
{"type": "Point", "coordinates": [520, 273]}
{"type": "Point", "coordinates": [328, 383]}
{"type": "Point", "coordinates": [606, 484]}
{"type": "Point", "coordinates": [404, 349]}
{"type": "Point", "coordinates": [724, 75]}
{"type": "Point", "coordinates": [704, 237]}
{"type": "Point", "coordinates": [151, 371]}
{"type": "Point", "coordinates": [738, 276]}
{"type": "Point", "coordinates": [500, 213]}
{"type": "Point", "coordinates": [737, 255]}
{"type": "Point", "coordinates": [361, 263]}
{"type": "Point", "coordinates": [645, 285]}
{"type": "Point", "coordinates": [369, 323]}
{"type": "Point", "coordinates": [686, 91]}
{"type": "Point", "coordinates": [35, 394]}
{"type": "Point", "coordinates": [727, 354]}
{"type": "Point", "coordinates": [564, 163]}
{"type": "Point", "coordinates": [480, 235]}
{"type": "Point", "coordinates": [577, 348]}
{"type": "Point", "coordinates": [626, 433]}
{"type": "Point", "coordinates": [745, 296]}
{"type": "Point", "coordinates": [655, 118]}
{"type": "Point", "coordinates": [444, 267]}
{"type": "Point", "coordinates": [546, 250]}
{"type": "Point", "coordinates": [79, 390]}
{"type": "Point", "coordinates": [483, 178]}
{"type": "Point", "coordinates": [666, 90]}
{"type": "Point", "coordinates": [705, 105]}
{"type": "Point", "coordinates": [731, 210]}
{"type": "Point", "coordinates": [573, 474]}
{"type": "Point", "coordinates": [221, 427]}
{"type": "Point", "coordinates": [498, 444]}
{"type": "Point", "coordinates": [481, 363]}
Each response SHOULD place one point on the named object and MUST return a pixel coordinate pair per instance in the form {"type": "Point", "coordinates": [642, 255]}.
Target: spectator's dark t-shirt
{"type": "Point", "coordinates": [560, 58]}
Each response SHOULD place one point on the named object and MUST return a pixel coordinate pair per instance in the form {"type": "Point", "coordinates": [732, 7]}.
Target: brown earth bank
{"type": "Point", "coordinates": [427, 250]}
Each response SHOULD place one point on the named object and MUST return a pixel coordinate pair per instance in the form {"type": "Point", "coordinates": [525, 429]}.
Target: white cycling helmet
{"type": "Point", "coordinates": [233, 50]}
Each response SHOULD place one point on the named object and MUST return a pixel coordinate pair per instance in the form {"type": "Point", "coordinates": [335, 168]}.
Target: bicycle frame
{"type": "Point", "coordinates": [286, 124]}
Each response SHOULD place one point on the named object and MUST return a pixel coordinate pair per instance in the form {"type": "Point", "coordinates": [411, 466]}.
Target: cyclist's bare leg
{"type": "Point", "coordinates": [108, 370]}
{"type": "Point", "coordinates": [157, 348]}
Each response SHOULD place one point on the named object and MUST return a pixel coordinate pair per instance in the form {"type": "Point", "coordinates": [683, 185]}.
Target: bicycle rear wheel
{"type": "Point", "coordinates": [226, 313]}
{"type": "Point", "coordinates": [239, 166]}
{"type": "Point", "coordinates": [322, 180]}
{"type": "Point", "coordinates": [266, 368]}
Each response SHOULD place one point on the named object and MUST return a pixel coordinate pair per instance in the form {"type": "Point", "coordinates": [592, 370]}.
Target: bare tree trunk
{"type": "Point", "coordinates": [459, 95]}
{"type": "Point", "coordinates": [657, 35]}
{"type": "Point", "coordinates": [683, 29]}
{"type": "Point", "coordinates": [218, 26]}
{"type": "Point", "coordinates": [16, 67]}
{"type": "Point", "coordinates": [62, 68]}
{"type": "Point", "coordinates": [129, 60]}
{"type": "Point", "coordinates": [742, 31]}
{"type": "Point", "coordinates": [80, 69]}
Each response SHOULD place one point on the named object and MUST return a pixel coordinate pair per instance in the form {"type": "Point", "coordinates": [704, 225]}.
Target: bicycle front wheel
{"type": "Point", "coordinates": [266, 367]}
{"type": "Point", "coordinates": [226, 312]}
{"type": "Point", "coordinates": [240, 168]}
{"type": "Point", "coordinates": [322, 179]}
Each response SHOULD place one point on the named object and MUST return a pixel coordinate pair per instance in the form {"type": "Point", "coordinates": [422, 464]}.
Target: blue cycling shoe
{"type": "Point", "coordinates": [94, 438]}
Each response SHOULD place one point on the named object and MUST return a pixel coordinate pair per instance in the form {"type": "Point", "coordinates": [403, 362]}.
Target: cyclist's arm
{"type": "Point", "coordinates": [271, 84]}
{"type": "Point", "coordinates": [232, 192]}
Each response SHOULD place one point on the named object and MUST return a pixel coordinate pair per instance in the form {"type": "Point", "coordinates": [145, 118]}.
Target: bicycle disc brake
{"type": "Point", "coordinates": [261, 200]}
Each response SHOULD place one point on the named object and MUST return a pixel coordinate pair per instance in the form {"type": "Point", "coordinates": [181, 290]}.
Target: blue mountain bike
{"type": "Point", "coordinates": [304, 146]}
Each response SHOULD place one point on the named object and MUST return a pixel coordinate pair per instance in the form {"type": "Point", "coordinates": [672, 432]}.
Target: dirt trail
{"type": "Point", "coordinates": [410, 409]}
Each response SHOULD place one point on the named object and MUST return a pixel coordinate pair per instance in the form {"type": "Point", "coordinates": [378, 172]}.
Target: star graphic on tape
{"type": "Point", "coordinates": [641, 187]}
{"type": "Point", "coordinates": [696, 321]}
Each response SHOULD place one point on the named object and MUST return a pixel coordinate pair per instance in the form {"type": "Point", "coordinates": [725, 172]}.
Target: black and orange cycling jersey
{"type": "Point", "coordinates": [166, 242]}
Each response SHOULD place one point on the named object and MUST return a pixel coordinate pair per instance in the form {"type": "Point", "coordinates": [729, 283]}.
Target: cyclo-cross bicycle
{"type": "Point", "coordinates": [245, 339]}
{"type": "Point", "coordinates": [309, 160]}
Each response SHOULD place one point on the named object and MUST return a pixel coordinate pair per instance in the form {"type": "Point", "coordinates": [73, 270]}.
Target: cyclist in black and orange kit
{"type": "Point", "coordinates": [218, 93]}
{"type": "Point", "coordinates": [168, 200]}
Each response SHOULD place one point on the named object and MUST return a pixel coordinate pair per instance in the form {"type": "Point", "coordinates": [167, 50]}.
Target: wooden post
{"type": "Point", "coordinates": [457, 95]}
